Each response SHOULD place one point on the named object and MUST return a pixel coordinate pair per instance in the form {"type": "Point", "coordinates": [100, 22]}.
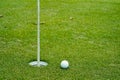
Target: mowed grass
{"type": "Point", "coordinates": [84, 32]}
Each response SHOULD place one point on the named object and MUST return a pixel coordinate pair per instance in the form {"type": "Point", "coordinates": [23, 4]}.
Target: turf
{"type": "Point", "coordinates": [85, 32]}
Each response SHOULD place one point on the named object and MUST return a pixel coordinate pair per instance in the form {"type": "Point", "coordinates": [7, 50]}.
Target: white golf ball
{"type": "Point", "coordinates": [64, 64]}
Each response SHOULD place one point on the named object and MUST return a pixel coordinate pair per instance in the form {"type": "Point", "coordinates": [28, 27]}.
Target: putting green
{"type": "Point", "coordinates": [84, 32]}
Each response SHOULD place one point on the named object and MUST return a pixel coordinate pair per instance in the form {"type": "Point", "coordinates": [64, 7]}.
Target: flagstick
{"type": "Point", "coordinates": [38, 63]}
{"type": "Point", "coordinates": [38, 33]}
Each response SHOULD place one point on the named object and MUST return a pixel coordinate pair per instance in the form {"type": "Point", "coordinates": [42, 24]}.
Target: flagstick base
{"type": "Point", "coordinates": [38, 64]}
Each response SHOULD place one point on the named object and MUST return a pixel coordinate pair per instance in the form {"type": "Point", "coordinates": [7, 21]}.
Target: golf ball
{"type": "Point", "coordinates": [64, 64]}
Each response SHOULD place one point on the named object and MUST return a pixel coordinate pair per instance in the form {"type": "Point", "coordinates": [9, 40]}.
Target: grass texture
{"type": "Point", "coordinates": [84, 32]}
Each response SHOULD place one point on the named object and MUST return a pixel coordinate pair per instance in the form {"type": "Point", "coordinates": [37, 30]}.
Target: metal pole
{"type": "Point", "coordinates": [38, 32]}
{"type": "Point", "coordinates": [38, 62]}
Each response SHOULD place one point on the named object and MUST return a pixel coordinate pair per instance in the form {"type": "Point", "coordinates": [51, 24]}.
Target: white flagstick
{"type": "Point", "coordinates": [38, 33]}
{"type": "Point", "coordinates": [38, 62]}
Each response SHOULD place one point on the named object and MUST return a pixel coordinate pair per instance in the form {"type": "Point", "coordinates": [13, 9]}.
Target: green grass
{"type": "Point", "coordinates": [90, 41]}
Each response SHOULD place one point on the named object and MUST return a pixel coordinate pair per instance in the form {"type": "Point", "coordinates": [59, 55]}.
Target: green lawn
{"type": "Point", "coordinates": [85, 32]}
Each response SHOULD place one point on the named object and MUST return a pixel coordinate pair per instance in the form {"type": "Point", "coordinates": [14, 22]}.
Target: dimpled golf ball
{"type": "Point", "coordinates": [64, 64]}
